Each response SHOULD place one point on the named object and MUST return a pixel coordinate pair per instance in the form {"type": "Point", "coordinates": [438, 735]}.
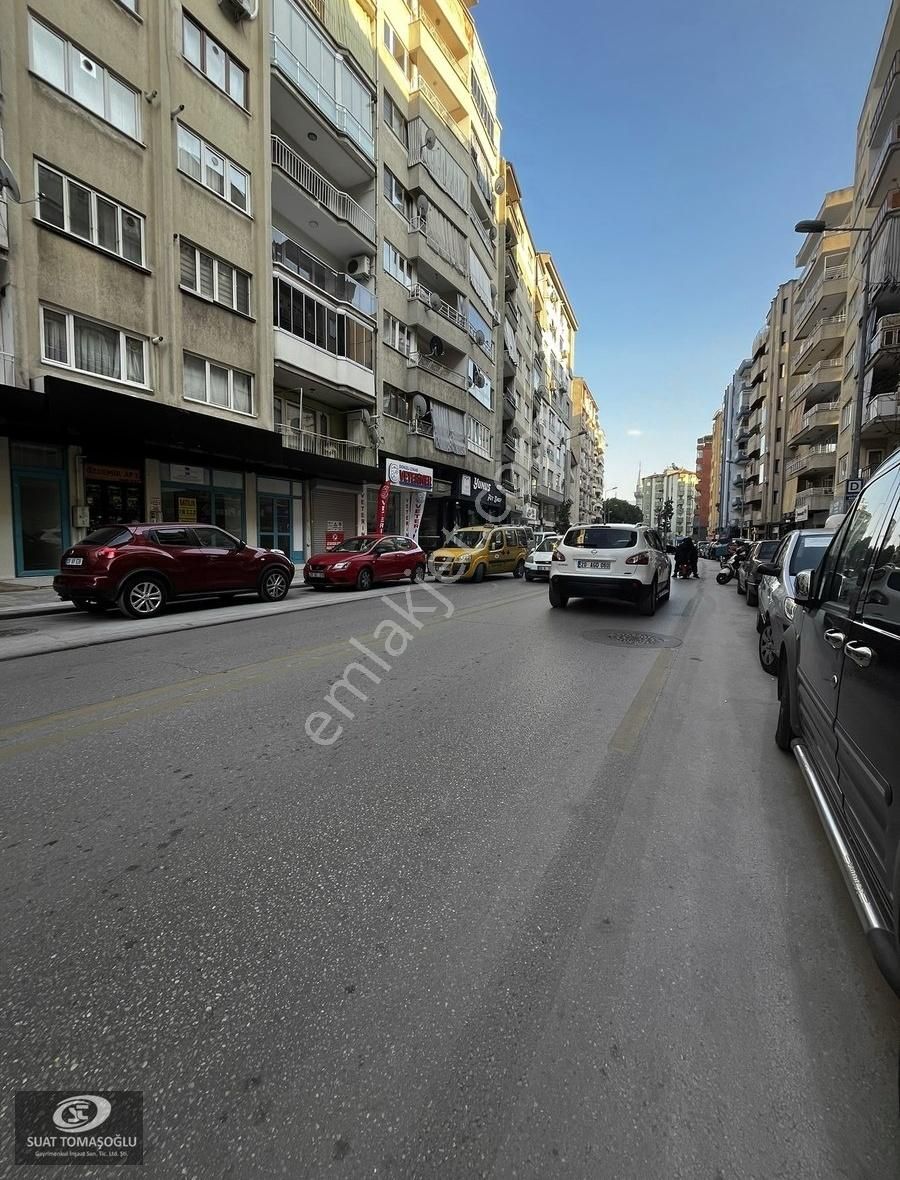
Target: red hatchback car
{"type": "Point", "coordinates": [363, 561]}
{"type": "Point", "coordinates": [141, 567]}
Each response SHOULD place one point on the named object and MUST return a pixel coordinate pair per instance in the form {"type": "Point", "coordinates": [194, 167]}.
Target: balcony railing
{"type": "Point", "coordinates": [343, 119]}
{"type": "Point", "coordinates": [829, 370]}
{"type": "Point", "coordinates": [890, 143]}
{"type": "Point", "coordinates": [421, 360]}
{"type": "Point", "coordinates": [483, 231]}
{"type": "Point", "coordinates": [292, 256]}
{"type": "Point", "coordinates": [326, 447]}
{"type": "Point", "coordinates": [808, 460]}
{"type": "Point", "coordinates": [439, 108]}
{"type": "Point", "coordinates": [442, 44]}
{"type": "Point", "coordinates": [818, 335]}
{"type": "Point", "coordinates": [829, 274]}
{"type": "Point", "coordinates": [339, 203]}
{"type": "Point", "coordinates": [810, 493]}
{"type": "Point", "coordinates": [7, 368]}
{"type": "Point", "coordinates": [893, 72]}
{"type": "Point", "coordinates": [421, 427]}
{"type": "Point", "coordinates": [883, 405]}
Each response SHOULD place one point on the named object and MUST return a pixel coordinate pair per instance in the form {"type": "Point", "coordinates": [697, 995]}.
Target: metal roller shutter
{"type": "Point", "coordinates": [329, 505]}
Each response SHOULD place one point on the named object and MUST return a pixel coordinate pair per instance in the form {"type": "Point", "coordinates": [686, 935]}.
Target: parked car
{"type": "Point", "coordinates": [141, 567]}
{"type": "Point", "coordinates": [839, 701]}
{"type": "Point", "coordinates": [537, 563]}
{"type": "Point", "coordinates": [748, 570]}
{"type": "Point", "coordinates": [362, 561]}
{"type": "Point", "coordinates": [623, 561]}
{"type": "Point", "coordinates": [470, 554]}
{"type": "Point", "coordinates": [798, 551]}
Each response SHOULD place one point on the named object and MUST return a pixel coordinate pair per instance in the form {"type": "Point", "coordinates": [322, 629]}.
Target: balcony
{"type": "Point", "coordinates": [817, 459]}
{"type": "Point", "coordinates": [881, 417]}
{"type": "Point", "coordinates": [816, 498]}
{"type": "Point", "coordinates": [826, 337]}
{"type": "Point", "coordinates": [421, 360]}
{"type": "Point", "coordinates": [884, 347]}
{"type": "Point", "coordinates": [815, 426]}
{"type": "Point", "coordinates": [303, 194]}
{"type": "Point", "coordinates": [326, 448]}
{"type": "Point", "coordinates": [822, 380]}
{"type": "Point", "coordinates": [825, 299]}
{"type": "Point", "coordinates": [445, 310]}
{"type": "Point", "coordinates": [432, 57]}
{"type": "Point", "coordinates": [884, 174]}
{"type": "Point", "coordinates": [888, 107]}
{"type": "Point", "coordinates": [7, 368]}
{"type": "Point", "coordinates": [291, 70]}
{"type": "Point", "coordinates": [341, 287]}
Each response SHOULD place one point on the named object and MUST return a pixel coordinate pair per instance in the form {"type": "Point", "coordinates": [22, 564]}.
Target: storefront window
{"type": "Point", "coordinates": [197, 495]}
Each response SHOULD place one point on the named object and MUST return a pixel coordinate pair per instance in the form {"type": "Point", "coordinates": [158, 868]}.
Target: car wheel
{"type": "Point", "coordinates": [478, 575]}
{"type": "Point", "coordinates": [364, 579]}
{"type": "Point", "coordinates": [519, 570]}
{"type": "Point", "coordinates": [768, 657]}
{"type": "Point", "coordinates": [528, 577]}
{"type": "Point", "coordinates": [784, 733]}
{"type": "Point", "coordinates": [648, 599]}
{"type": "Point", "coordinates": [752, 596]}
{"type": "Point", "coordinates": [273, 585]}
{"type": "Point", "coordinates": [418, 574]}
{"type": "Point", "coordinates": [144, 597]}
{"type": "Point", "coordinates": [558, 600]}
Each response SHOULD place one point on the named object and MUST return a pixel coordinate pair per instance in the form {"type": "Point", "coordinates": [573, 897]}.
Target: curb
{"type": "Point", "coordinates": [39, 608]}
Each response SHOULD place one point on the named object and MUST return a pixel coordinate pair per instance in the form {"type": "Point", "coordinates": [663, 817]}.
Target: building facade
{"type": "Point", "coordinates": [675, 485]}
{"type": "Point", "coordinates": [713, 486]}
{"type": "Point", "coordinates": [588, 454]}
{"type": "Point", "coordinates": [703, 469]}
{"type": "Point", "coordinates": [258, 255]}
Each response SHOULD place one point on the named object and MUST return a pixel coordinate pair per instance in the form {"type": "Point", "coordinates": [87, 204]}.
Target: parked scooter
{"type": "Point", "coordinates": [730, 566]}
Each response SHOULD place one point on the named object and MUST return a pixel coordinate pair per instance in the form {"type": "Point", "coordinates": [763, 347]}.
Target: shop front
{"type": "Point", "coordinates": [40, 507]}
{"type": "Point", "coordinates": [203, 495]}
{"type": "Point", "coordinates": [114, 492]}
{"type": "Point", "coordinates": [279, 504]}
{"type": "Point", "coordinates": [334, 515]}
{"type": "Point", "coordinates": [479, 501]}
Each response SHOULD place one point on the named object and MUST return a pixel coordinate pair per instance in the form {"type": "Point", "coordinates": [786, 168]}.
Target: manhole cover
{"type": "Point", "coordinates": [5, 632]}
{"type": "Point", "coordinates": [631, 638]}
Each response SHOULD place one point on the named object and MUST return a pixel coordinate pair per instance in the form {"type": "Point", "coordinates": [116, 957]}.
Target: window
{"type": "Point", "coordinates": [782, 369]}
{"type": "Point", "coordinates": [396, 265]}
{"type": "Point", "coordinates": [304, 316]}
{"type": "Point", "coordinates": [396, 194]}
{"type": "Point", "coordinates": [180, 538]}
{"type": "Point", "coordinates": [396, 403]}
{"type": "Point", "coordinates": [86, 214]}
{"type": "Point", "coordinates": [396, 48]}
{"type": "Point", "coordinates": [784, 304]}
{"type": "Point", "coordinates": [481, 106]}
{"type": "Point", "coordinates": [212, 278]}
{"type": "Point", "coordinates": [397, 334]}
{"type": "Point", "coordinates": [86, 81]}
{"type": "Point", "coordinates": [394, 119]}
{"type": "Point", "coordinates": [783, 341]}
{"type": "Point", "coordinates": [776, 468]}
{"type": "Point", "coordinates": [843, 464]}
{"type": "Point", "coordinates": [213, 538]}
{"type": "Point", "coordinates": [848, 562]}
{"type": "Point", "coordinates": [778, 434]}
{"type": "Point", "coordinates": [213, 170]}
{"type": "Point", "coordinates": [846, 415]}
{"type": "Point", "coordinates": [215, 62]}
{"type": "Point", "coordinates": [480, 385]}
{"type": "Point", "coordinates": [91, 347]}
{"type": "Point", "coordinates": [479, 437]}
{"type": "Point", "coordinates": [883, 599]}
{"type": "Point", "coordinates": [205, 381]}
{"type": "Point", "coordinates": [601, 537]}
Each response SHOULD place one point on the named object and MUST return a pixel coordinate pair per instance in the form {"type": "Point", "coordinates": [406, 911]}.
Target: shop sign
{"type": "Point", "coordinates": [409, 475]}
{"type": "Point", "coordinates": [488, 496]}
{"type": "Point", "coordinates": [179, 473]}
{"type": "Point", "coordinates": [801, 514]}
{"type": "Point", "coordinates": [187, 510]}
{"type": "Point", "coordinates": [114, 474]}
{"type": "Point", "coordinates": [334, 533]}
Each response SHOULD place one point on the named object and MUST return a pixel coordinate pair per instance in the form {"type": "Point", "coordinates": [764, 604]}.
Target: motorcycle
{"type": "Point", "coordinates": [729, 567]}
{"type": "Point", "coordinates": [683, 569]}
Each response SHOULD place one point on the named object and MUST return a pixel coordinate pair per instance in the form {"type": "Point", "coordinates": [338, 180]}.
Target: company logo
{"type": "Point", "coordinates": [393, 472]}
{"type": "Point", "coordinates": [82, 1112]}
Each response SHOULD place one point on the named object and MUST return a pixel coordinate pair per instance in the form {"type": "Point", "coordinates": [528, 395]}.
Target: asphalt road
{"type": "Point", "coordinates": [551, 903]}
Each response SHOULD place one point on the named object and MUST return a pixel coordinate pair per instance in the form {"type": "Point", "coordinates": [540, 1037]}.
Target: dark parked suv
{"type": "Point", "coordinates": [839, 694]}
{"type": "Point", "coordinates": [140, 567]}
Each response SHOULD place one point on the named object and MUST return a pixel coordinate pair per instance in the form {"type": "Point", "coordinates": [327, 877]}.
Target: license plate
{"type": "Point", "coordinates": [317, 575]}
{"type": "Point", "coordinates": [74, 561]}
{"type": "Point", "coordinates": [594, 565]}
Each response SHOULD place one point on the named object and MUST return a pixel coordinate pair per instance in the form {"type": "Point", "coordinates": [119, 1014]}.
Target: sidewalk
{"type": "Point", "coordinates": [20, 597]}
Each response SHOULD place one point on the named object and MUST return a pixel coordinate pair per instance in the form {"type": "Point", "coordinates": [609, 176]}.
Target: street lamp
{"type": "Point", "coordinates": [817, 226]}
{"type": "Point", "coordinates": [606, 501]}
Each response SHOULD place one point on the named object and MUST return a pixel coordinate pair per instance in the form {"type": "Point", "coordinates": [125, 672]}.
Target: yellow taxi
{"type": "Point", "coordinates": [471, 554]}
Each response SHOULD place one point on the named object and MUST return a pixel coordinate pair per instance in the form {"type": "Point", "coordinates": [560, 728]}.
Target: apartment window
{"type": "Point", "coordinates": [481, 106]}
{"type": "Point", "coordinates": [778, 434]}
{"type": "Point", "coordinates": [396, 194]}
{"type": "Point", "coordinates": [843, 464]}
{"type": "Point", "coordinates": [479, 438]}
{"type": "Point", "coordinates": [217, 385]}
{"type": "Point", "coordinates": [850, 359]}
{"type": "Point", "coordinates": [396, 403]}
{"type": "Point", "coordinates": [480, 385]}
{"type": "Point", "coordinates": [215, 62]}
{"type": "Point", "coordinates": [212, 169]}
{"type": "Point", "coordinates": [88, 346]}
{"type": "Point", "coordinates": [846, 415]}
{"type": "Point", "coordinates": [320, 325]}
{"type": "Point", "coordinates": [783, 340]}
{"type": "Point", "coordinates": [774, 494]}
{"type": "Point", "coordinates": [397, 334]}
{"type": "Point", "coordinates": [214, 279]}
{"type": "Point", "coordinates": [394, 119]}
{"type": "Point", "coordinates": [89, 83]}
{"type": "Point", "coordinates": [782, 369]}
{"type": "Point", "coordinates": [776, 467]}
{"type": "Point", "coordinates": [780, 401]}
{"type": "Point", "coordinates": [87, 214]}
{"type": "Point", "coordinates": [396, 48]}
{"type": "Point", "coordinates": [784, 305]}
{"type": "Point", "coordinates": [396, 265]}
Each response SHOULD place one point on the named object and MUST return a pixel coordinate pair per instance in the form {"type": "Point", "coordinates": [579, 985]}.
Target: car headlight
{"type": "Point", "coordinates": [340, 565]}
{"type": "Point", "coordinates": [790, 608]}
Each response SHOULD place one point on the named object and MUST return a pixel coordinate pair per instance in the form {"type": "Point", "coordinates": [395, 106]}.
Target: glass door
{"type": "Point", "coordinates": [275, 523]}
{"type": "Point", "coordinates": [40, 510]}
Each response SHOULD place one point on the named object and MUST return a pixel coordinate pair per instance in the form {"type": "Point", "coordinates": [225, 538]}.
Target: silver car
{"type": "Point", "coordinates": [801, 550]}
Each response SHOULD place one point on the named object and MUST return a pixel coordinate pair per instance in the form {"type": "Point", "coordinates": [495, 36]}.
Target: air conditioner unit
{"type": "Point", "coordinates": [240, 10]}
{"type": "Point", "coordinates": [360, 266]}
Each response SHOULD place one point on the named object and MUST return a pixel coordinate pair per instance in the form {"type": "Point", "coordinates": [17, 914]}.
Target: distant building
{"type": "Point", "coordinates": [678, 484]}
{"type": "Point", "coordinates": [701, 504]}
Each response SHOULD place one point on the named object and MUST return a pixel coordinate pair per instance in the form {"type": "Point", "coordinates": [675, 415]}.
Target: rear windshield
{"type": "Point", "coordinates": [601, 537]}
{"type": "Point", "coordinates": [112, 535]}
{"type": "Point", "coordinates": [767, 550]}
{"type": "Point", "coordinates": [809, 551]}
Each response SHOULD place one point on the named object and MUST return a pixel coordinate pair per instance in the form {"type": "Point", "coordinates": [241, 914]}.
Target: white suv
{"type": "Point", "coordinates": [626, 561]}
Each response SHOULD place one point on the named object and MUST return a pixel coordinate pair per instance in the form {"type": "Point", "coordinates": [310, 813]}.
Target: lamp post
{"type": "Point", "coordinates": [862, 334]}
{"type": "Point", "coordinates": [606, 501]}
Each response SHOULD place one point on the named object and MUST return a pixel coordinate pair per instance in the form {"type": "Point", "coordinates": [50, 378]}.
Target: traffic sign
{"type": "Point", "coordinates": [854, 486]}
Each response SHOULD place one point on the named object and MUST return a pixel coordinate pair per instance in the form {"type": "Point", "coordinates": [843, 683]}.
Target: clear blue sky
{"type": "Point", "coordinates": [665, 150]}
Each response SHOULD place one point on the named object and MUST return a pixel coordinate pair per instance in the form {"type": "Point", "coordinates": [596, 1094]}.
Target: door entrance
{"type": "Point", "coordinates": [275, 523]}
{"type": "Point", "coordinates": [40, 512]}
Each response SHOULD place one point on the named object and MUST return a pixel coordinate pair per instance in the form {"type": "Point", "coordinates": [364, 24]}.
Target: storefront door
{"type": "Point", "coordinates": [275, 523]}
{"type": "Point", "coordinates": [40, 512]}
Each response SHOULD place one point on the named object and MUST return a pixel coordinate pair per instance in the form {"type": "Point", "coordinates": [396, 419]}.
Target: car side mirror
{"type": "Point", "coordinates": [241, 545]}
{"type": "Point", "coordinates": [767, 569]}
{"type": "Point", "coordinates": [803, 588]}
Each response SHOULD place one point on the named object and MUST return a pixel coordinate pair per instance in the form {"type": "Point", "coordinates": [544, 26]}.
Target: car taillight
{"type": "Point", "coordinates": [638, 559]}
{"type": "Point", "coordinates": [105, 554]}
{"type": "Point", "coordinates": [557, 556]}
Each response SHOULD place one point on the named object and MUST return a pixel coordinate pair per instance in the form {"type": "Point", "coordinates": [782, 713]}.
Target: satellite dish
{"type": "Point", "coordinates": [419, 406]}
{"type": "Point", "coordinates": [436, 346]}
{"type": "Point", "coordinates": [435, 301]}
{"type": "Point", "coordinates": [422, 205]}
{"type": "Point", "coordinates": [493, 233]}
{"type": "Point", "coordinates": [7, 180]}
{"type": "Point", "coordinates": [478, 378]}
{"type": "Point", "coordinates": [514, 431]}
{"type": "Point", "coordinates": [499, 185]}
{"type": "Point", "coordinates": [480, 338]}
{"type": "Point", "coordinates": [430, 139]}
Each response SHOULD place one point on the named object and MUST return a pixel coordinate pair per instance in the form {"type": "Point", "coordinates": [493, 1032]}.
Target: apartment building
{"type": "Point", "coordinates": [702, 467]}
{"type": "Point", "coordinates": [735, 412]}
{"type": "Point", "coordinates": [713, 481]}
{"type": "Point", "coordinates": [588, 454]}
{"type": "Point", "coordinates": [677, 485]}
